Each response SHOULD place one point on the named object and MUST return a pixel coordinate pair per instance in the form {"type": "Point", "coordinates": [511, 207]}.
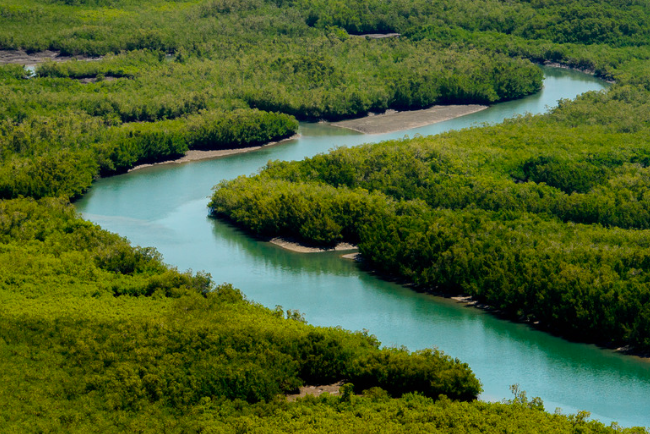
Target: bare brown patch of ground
{"type": "Point", "coordinates": [95, 80]}
{"type": "Point", "coordinates": [301, 248]}
{"type": "Point", "coordinates": [332, 389]}
{"type": "Point", "coordinates": [390, 122]}
{"type": "Point", "coordinates": [21, 57]}
{"type": "Point", "coordinates": [377, 35]}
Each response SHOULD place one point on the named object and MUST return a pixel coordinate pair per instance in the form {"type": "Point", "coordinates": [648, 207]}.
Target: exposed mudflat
{"type": "Point", "coordinates": [21, 57]}
{"type": "Point", "coordinates": [95, 80]}
{"type": "Point", "coordinates": [392, 121]}
{"type": "Point", "coordinates": [332, 389]}
{"type": "Point", "coordinates": [377, 35]}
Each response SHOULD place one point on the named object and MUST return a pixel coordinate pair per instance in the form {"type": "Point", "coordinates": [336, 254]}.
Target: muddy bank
{"type": "Point", "coordinates": [393, 121]}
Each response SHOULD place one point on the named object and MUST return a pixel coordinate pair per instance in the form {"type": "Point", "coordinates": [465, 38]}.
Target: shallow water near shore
{"type": "Point", "coordinates": [165, 207]}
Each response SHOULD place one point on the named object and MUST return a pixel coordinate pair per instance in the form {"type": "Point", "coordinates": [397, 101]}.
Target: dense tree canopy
{"type": "Point", "coordinates": [543, 217]}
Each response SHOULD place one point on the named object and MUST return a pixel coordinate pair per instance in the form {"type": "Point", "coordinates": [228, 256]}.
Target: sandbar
{"type": "Point", "coordinates": [393, 121]}
{"type": "Point", "coordinates": [301, 248]}
{"type": "Point", "coordinates": [194, 155]}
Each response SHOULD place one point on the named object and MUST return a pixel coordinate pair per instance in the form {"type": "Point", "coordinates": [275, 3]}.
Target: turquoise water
{"type": "Point", "coordinates": [165, 207]}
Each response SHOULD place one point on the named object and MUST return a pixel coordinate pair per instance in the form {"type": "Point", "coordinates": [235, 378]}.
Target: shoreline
{"type": "Point", "coordinates": [196, 155]}
{"type": "Point", "coordinates": [588, 71]}
{"type": "Point", "coordinates": [470, 302]}
{"type": "Point", "coordinates": [393, 121]}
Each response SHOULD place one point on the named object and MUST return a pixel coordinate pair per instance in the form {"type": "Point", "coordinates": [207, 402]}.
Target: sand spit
{"type": "Point", "coordinates": [392, 121]}
{"type": "Point", "coordinates": [301, 248]}
{"type": "Point", "coordinates": [208, 155]}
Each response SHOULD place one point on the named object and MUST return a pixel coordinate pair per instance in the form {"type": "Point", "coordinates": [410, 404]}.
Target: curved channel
{"type": "Point", "coordinates": [165, 206]}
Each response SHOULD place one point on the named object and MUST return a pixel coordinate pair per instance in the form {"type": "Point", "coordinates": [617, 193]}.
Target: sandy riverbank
{"type": "Point", "coordinates": [208, 155]}
{"type": "Point", "coordinates": [393, 121]}
{"type": "Point", "coordinates": [301, 248]}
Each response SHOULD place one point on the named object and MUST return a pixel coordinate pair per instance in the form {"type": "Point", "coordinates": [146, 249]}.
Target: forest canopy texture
{"type": "Point", "coordinates": [543, 217]}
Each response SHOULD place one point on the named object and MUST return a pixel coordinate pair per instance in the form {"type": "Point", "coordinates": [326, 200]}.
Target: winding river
{"type": "Point", "coordinates": [165, 206]}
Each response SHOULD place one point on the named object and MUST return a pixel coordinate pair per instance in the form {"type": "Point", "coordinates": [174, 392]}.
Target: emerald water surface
{"type": "Point", "coordinates": [165, 207]}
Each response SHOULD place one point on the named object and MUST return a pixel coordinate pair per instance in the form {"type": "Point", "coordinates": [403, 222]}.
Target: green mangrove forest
{"type": "Point", "coordinates": [544, 217]}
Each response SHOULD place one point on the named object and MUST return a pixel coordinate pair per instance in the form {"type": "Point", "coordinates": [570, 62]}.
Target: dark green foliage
{"type": "Point", "coordinates": [406, 76]}
{"type": "Point", "coordinates": [397, 371]}
{"type": "Point", "coordinates": [15, 72]}
{"type": "Point", "coordinates": [584, 22]}
{"type": "Point", "coordinates": [568, 176]}
{"type": "Point", "coordinates": [239, 128]}
{"type": "Point", "coordinates": [65, 173]}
